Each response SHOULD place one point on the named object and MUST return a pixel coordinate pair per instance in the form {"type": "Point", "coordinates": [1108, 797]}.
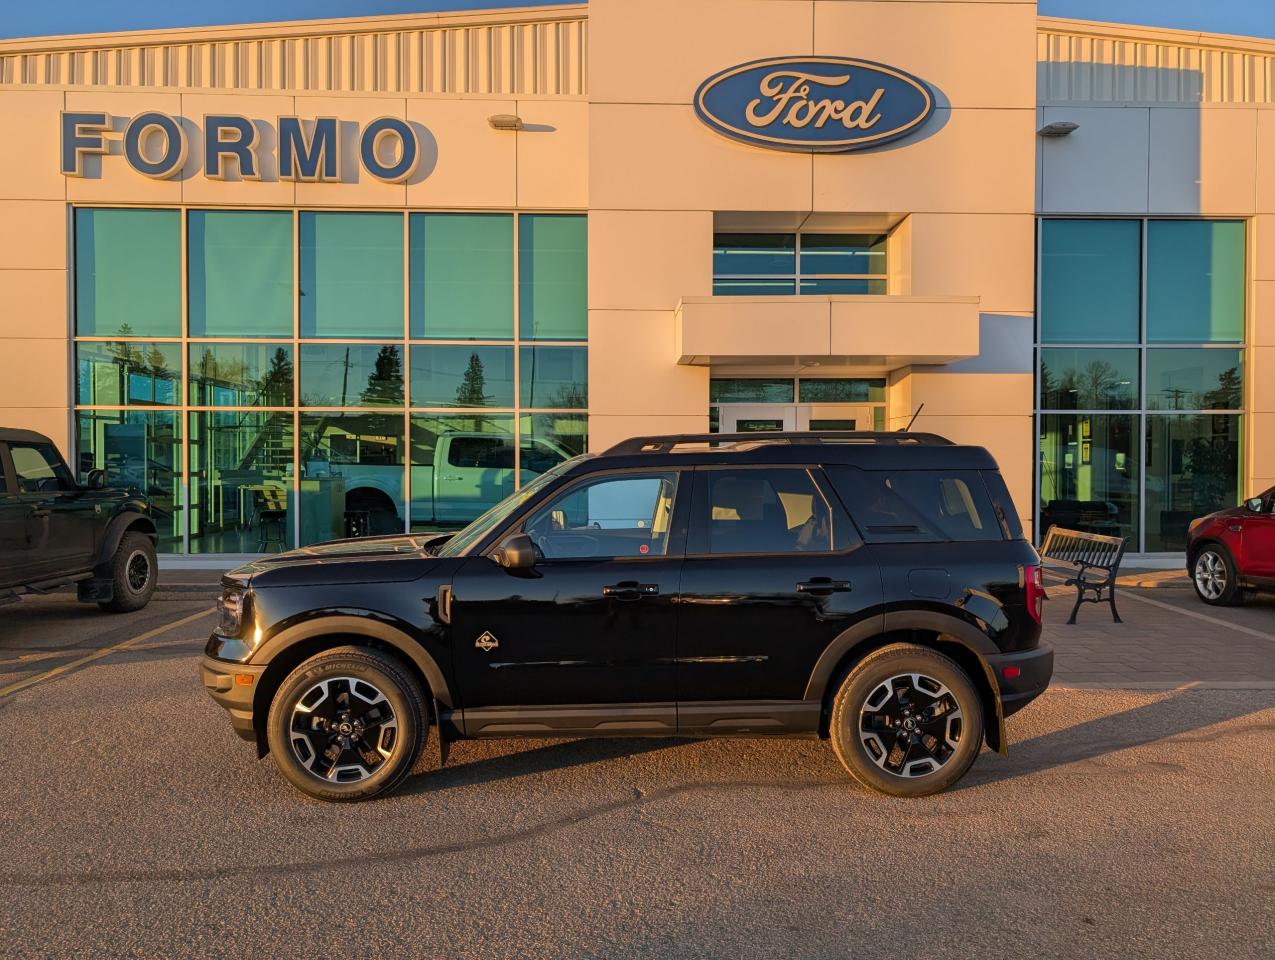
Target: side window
{"type": "Point", "coordinates": [619, 516]}
{"type": "Point", "coordinates": [4, 483]}
{"type": "Point", "coordinates": [39, 469]}
{"type": "Point", "coordinates": [918, 505]}
{"type": "Point", "coordinates": [485, 452]}
{"type": "Point", "coordinates": [778, 510]}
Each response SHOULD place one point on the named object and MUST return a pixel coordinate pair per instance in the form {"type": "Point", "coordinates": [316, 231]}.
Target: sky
{"type": "Point", "coordinates": [31, 18]}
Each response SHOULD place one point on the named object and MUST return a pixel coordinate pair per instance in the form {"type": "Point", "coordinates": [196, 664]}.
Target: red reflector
{"type": "Point", "coordinates": [1012, 673]}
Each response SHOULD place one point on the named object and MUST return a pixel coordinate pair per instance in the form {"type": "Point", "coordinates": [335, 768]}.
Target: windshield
{"type": "Point", "coordinates": [471, 534]}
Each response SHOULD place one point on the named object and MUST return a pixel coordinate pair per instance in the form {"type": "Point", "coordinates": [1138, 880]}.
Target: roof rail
{"type": "Point", "coordinates": [665, 444]}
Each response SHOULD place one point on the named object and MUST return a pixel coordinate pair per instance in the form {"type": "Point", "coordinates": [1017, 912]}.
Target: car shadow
{"type": "Point", "coordinates": [551, 757]}
{"type": "Point", "coordinates": [1164, 720]}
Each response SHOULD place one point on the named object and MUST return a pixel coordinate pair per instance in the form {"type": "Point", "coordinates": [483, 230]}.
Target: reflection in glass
{"type": "Point", "coordinates": [1089, 473]}
{"type": "Point", "coordinates": [742, 390]}
{"type": "Point", "coordinates": [555, 377]}
{"type": "Point", "coordinates": [351, 475]}
{"type": "Point", "coordinates": [550, 438]}
{"type": "Point", "coordinates": [128, 273]}
{"type": "Point", "coordinates": [553, 276]}
{"type": "Point", "coordinates": [240, 266]}
{"type": "Point", "coordinates": [745, 287]}
{"type": "Point", "coordinates": [462, 376]}
{"type": "Point", "coordinates": [241, 482]}
{"type": "Point", "coordinates": [824, 253]}
{"type": "Point", "coordinates": [1096, 379]}
{"type": "Point", "coordinates": [754, 254]}
{"type": "Point", "coordinates": [1184, 379]}
{"type": "Point", "coordinates": [462, 275]}
{"type": "Point", "coordinates": [842, 391]}
{"type": "Point", "coordinates": [351, 274]}
{"type": "Point", "coordinates": [127, 373]}
{"type": "Point", "coordinates": [1089, 280]}
{"type": "Point", "coordinates": [829, 286]}
{"type": "Point", "coordinates": [138, 450]}
{"type": "Point", "coordinates": [1195, 281]}
{"type": "Point", "coordinates": [461, 466]}
{"type": "Point", "coordinates": [241, 374]}
{"type": "Point", "coordinates": [1193, 468]}
{"type": "Point", "coordinates": [351, 375]}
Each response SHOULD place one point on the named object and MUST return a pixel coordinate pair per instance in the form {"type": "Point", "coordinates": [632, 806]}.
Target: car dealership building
{"type": "Point", "coordinates": [333, 278]}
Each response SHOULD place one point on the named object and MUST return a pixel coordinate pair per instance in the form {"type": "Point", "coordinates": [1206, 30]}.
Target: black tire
{"type": "Point", "coordinates": [134, 572]}
{"type": "Point", "coordinates": [871, 704]}
{"type": "Point", "coordinates": [1215, 578]}
{"type": "Point", "coordinates": [317, 749]}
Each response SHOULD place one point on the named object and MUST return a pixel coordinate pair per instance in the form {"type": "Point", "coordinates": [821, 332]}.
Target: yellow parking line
{"type": "Point", "coordinates": [103, 652]}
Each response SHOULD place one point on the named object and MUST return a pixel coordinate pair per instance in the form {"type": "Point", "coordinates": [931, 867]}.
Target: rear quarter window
{"type": "Point", "coordinates": [929, 506]}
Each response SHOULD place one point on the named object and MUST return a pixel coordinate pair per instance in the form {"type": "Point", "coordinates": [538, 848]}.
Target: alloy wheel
{"type": "Point", "coordinates": [910, 725]}
{"type": "Point", "coordinates": [343, 729]}
{"type": "Point", "coordinates": [137, 571]}
{"type": "Point", "coordinates": [1210, 575]}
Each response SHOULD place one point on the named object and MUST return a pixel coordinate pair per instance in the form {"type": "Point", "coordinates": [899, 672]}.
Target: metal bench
{"type": "Point", "coordinates": [1096, 559]}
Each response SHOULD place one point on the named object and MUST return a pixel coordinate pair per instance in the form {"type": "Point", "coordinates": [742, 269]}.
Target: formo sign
{"type": "Point", "coordinates": [157, 145]}
{"type": "Point", "coordinates": [814, 104]}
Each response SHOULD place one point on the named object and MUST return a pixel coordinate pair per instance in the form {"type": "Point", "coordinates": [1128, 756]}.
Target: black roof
{"type": "Point", "coordinates": [871, 450]}
{"type": "Point", "coordinates": [24, 436]}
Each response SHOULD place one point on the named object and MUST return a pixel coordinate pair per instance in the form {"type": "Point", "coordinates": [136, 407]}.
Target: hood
{"type": "Point", "coordinates": [366, 559]}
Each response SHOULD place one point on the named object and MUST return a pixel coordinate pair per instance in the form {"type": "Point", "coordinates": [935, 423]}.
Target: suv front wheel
{"type": "Point", "coordinates": [347, 724]}
{"type": "Point", "coordinates": [132, 574]}
{"type": "Point", "coordinates": [907, 721]}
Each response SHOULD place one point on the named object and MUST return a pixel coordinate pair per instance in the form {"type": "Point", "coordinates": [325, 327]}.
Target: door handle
{"type": "Point", "coordinates": [821, 586]}
{"type": "Point", "coordinates": [630, 590]}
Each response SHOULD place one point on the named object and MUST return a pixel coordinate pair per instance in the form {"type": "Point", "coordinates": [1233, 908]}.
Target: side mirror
{"type": "Point", "coordinates": [96, 480]}
{"type": "Point", "coordinates": [517, 553]}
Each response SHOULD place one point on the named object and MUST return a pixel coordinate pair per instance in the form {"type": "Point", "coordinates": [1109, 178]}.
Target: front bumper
{"type": "Point", "coordinates": [233, 686]}
{"type": "Point", "coordinates": [1035, 668]}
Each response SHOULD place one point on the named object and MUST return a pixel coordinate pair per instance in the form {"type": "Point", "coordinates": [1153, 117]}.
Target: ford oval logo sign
{"type": "Point", "coordinates": [820, 104]}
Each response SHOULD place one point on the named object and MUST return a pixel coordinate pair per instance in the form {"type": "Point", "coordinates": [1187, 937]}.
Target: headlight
{"type": "Point", "coordinates": [230, 608]}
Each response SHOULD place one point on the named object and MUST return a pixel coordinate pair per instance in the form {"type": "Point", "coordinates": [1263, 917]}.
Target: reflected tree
{"type": "Point", "coordinates": [385, 382]}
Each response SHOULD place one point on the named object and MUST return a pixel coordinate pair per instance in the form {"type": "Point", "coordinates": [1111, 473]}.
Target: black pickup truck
{"type": "Point", "coordinates": [54, 531]}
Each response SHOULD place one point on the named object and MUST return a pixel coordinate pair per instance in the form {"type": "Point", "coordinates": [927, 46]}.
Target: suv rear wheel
{"type": "Point", "coordinates": [1214, 577]}
{"type": "Point", "coordinates": [907, 721]}
{"type": "Point", "coordinates": [347, 724]}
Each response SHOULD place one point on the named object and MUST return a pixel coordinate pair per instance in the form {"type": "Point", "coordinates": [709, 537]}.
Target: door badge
{"type": "Point", "coordinates": [486, 642]}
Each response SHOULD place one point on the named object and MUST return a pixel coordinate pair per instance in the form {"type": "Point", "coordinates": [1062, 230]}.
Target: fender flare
{"type": "Point", "coordinates": [390, 635]}
{"type": "Point", "coordinates": [951, 630]}
{"type": "Point", "coordinates": [115, 531]}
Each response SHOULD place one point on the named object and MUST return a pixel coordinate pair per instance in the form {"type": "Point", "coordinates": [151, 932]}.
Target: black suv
{"type": "Point", "coordinates": [874, 589]}
{"type": "Point", "coordinates": [54, 531]}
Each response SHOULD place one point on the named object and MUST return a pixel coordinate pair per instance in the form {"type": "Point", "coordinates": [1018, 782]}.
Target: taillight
{"type": "Point", "coordinates": [1035, 592]}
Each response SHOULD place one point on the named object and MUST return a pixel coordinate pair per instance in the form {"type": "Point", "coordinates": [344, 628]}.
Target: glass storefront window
{"type": "Point", "coordinates": [553, 276]}
{"type": "Point", "coordinates": [754, 254]}
{"type": "Point", "coordinates": [351, 375]}
{"type": "Point", "coordinates": [1090, 277]}
{"type": "Point", "coordinates": [1193, 468]}
{"type": "Point", "coordinates": [742, 390]}
{"type": "Point", "coordinates": [841, 391]}
{"type": "Point", "coordinates": [139, 450]}
{"type": "Point", "coordinates": [556, 378]}
{"type": "Point", "coordinates": [128, 273]}
{"type": "Point", "coordinates": [241, 374]}
{"type": "Point", "coordinates": [462, 275]}
{"type": "Point", "coordinates": [461, 466]}
{"type": "Point", "coordinates": [830, 286]}
{"type": "Point", "coordinates": [352, 475]}
{"type": "Point", "coordinates": [448, 375]}
{"type": "Point", "coordinates": [1088, 379]}
{"type": "Point", "coordinates": [240, 273]}
{"type": "Point", "coordinates": [128, 373]}
{"type": "Point", "coordinates": [747, 287]}
{"type": "Point", "coordinates": [824, 253]}
{"type": "Point", "coordinates": [1089, 473]}
{"type": "Point", "coordinates": [782, 264]}
{"type": "Point", "coordinates": [351, 274]}
{"type": "Point", "coordinates": [1201, 379]}
{"type": "Point", "coordinates": [550, 438]}
{"type": "Point", "coordinates": [1195, 281]}
{"type": "Point", "coordinates": [241, 498]}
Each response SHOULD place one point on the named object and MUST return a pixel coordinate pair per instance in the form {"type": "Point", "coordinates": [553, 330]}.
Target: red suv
{"type": "Point", "coordinates": [1233, 550]}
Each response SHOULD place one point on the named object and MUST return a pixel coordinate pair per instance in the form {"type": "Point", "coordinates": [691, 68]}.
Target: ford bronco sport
{"type": "Point", "coordinates": [873, 589]}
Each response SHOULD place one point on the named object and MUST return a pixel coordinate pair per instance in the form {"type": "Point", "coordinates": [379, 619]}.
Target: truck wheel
{"type": "Point", "coordinates": [1214, 577]}
{"type": "Point", "coordinates": [907, 721]}
{"type": "Point", "coordinates": [347, 724]}
{"type": "Point", "coordinates": [133, 574]}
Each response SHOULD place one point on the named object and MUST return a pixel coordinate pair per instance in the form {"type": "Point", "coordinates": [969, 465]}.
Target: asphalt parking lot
{"type": "Point", "coordinates": [1126, 821]}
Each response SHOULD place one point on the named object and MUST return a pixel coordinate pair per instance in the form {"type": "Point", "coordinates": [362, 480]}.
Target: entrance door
{"type": "Point", "coordinates": [757, 417]}
{"type": "Point", "coordinates": [834, 416]}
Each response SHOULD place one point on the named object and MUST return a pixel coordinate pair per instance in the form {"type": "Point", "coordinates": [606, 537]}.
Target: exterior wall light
{"type": "Point", "coordinates": [1059, 128]}
{"type": "Point", "coordinates": [505, 121]}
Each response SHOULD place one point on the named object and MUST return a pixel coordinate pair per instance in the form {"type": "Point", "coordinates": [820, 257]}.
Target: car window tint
{"type": "Point", "coordinates": [38, 468]}
{"type": "Point", "coordinates": [766, 511]}
{"type": "Point", "coordinates": [911, 505]}
{"type": "Point", "coordinates": [626, 516]}
{"type": "Point", "coordinates": [484, 452]}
